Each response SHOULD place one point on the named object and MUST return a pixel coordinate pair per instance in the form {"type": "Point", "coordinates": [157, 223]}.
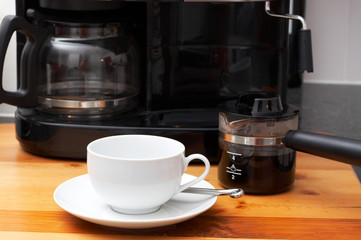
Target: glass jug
{"type": "Point", "coordinates": [252, 155]}
{"type": "Point", "coordinates": [88, 70]}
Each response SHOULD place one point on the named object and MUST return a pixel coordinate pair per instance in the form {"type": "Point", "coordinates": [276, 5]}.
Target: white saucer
{"type": "Point", "coordinates": [77, 197]}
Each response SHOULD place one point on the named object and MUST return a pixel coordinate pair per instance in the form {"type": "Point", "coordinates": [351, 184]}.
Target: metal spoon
{"type": "Point", "coordinates": [233, 193]}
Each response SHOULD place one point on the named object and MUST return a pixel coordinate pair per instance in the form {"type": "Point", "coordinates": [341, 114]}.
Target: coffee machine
{"type": "Point", "coordinates": [89, 69]}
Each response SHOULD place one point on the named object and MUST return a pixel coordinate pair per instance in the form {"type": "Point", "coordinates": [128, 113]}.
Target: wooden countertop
{"type": "Point", "coordinates": [325, 203]}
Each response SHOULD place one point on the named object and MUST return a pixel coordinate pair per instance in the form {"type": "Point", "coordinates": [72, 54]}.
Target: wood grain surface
{"type": "Point", "coordinates": [325, 203]}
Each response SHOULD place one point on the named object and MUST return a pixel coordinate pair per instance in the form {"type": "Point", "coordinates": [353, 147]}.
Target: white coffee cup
{"type": "Point", "coordinates": [136, 174]}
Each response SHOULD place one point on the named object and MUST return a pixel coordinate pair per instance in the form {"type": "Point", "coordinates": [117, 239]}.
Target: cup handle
{"type": "Point", "coordinates": [201, 177]}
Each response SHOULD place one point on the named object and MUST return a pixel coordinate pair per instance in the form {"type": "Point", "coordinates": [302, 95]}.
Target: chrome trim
{"type": "Point", "coordinates": [85, 104]}
{"type": "Point", "coordinates": [251, 141]}
{"type": "Point", "coordinates": [285, 15]}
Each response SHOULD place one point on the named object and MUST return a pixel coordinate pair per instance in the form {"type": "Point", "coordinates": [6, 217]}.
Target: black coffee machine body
{"type": "Point", "coordinates": [181, 59]}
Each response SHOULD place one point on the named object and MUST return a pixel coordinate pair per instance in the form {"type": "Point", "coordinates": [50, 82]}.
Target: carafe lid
{"type": "Point", "coordinates": [258, 105]}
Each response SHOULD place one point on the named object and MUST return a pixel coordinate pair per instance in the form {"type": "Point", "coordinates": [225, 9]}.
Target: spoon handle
{"type": "Point", "coordinates": [234, 192]}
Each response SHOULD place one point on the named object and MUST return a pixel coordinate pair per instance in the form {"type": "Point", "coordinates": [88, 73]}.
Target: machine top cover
{"type": "Point", "coordinates": [81, 5]}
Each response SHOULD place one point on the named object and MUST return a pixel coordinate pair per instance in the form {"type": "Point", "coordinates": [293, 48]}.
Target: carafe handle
{"type": "Point", "coordinates": [26, 93]}
{"type": "Point", "coordinates": [336, 148]}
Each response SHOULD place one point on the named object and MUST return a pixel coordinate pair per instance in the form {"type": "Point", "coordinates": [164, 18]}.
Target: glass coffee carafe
{"type": "Point", "coordinates": [73, 66]}
{"type": "Point", "coordinates": [88, 70]}
{"type": "Point", "coordinates": [252, 155]}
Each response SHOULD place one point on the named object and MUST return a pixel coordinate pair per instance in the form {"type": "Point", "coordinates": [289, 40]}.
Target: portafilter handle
{"type": "Point", "coordinates": [332, 147]}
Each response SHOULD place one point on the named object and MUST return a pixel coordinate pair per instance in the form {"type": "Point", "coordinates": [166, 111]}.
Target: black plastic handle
{"type": "Point", "coordinates": [305, 50]}
{"type": "Point", "coordinates": [26, 94]}
{"type": "Point", "coordinates": [332, 147]}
